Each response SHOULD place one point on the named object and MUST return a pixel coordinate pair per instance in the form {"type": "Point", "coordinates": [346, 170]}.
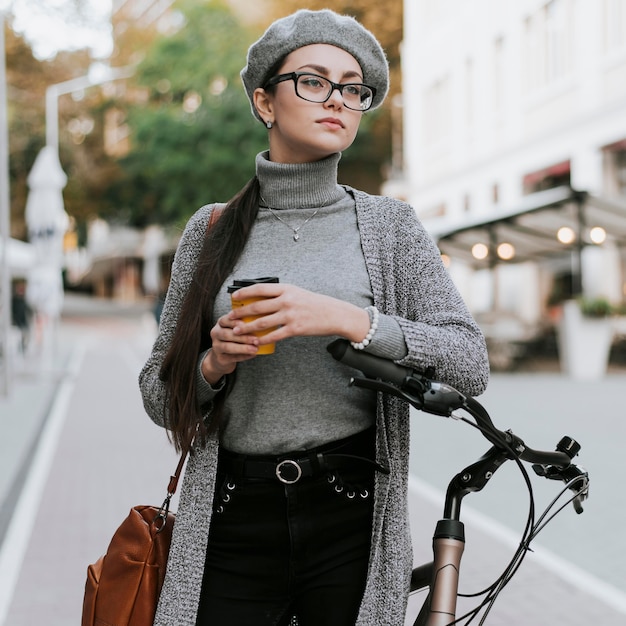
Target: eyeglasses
{"type": "Point", "coordinates": [314, 88]}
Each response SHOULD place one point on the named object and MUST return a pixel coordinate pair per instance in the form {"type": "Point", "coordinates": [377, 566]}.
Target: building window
{"type": "Point", "coordinates": [469, 92]}
{"type": "Point", "coordinates": [495, 193]}
{"type": "Point", "coordinates": [615, 169]}
{"type": "Point", "coordinates": [620, 172]}
{"type": "Point", "coordinates": [614, 24]}
{"type": "Point", "coordinates": [499, 75]}
{"type": "Point", "coordinates": [548, 35]}
{"type": "Point", "coordinates": [437, 112]}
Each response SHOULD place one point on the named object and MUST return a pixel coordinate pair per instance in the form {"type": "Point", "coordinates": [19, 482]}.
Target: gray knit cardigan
{"type": "Point", "coordinates": [408, 282]}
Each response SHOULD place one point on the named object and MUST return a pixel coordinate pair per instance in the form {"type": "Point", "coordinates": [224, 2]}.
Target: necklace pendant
{"type": "Point", "coordinates": [296, 231]}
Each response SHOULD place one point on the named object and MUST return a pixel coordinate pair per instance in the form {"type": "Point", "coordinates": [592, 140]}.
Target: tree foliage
{"type": "Point", "coordinates": [193, 138]}
{"type": "Point", "coordinates": [180, 160]}
{"type": "Point", "coordinates": [180, 156]}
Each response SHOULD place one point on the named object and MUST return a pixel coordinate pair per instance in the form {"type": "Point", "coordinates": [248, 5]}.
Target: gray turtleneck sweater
{"type": "Point", "coordinates": [299, 397]}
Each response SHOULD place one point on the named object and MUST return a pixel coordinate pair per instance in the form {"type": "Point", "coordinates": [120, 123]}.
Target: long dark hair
{"type": "Point", "coordinates": [223, 245]}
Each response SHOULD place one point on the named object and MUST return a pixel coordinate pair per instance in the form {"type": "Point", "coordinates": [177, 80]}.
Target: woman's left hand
{"type": "Point", "coordinates": [294, 312]}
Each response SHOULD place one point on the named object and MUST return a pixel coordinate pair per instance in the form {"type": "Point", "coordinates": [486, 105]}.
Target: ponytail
{"type": "Point", "coordinates": [222, 247]}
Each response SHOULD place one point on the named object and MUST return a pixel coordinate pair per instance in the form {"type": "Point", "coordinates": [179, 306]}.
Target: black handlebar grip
{"type": "Point", "coordinates": [372, 366]}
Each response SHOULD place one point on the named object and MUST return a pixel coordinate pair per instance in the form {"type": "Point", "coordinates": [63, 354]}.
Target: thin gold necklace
{"type": "Point", "coordinates": [296, 231]}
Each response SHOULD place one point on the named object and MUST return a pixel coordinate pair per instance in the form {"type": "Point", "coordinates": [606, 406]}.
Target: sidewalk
{"type": "Point", "coordinates": [22, 415]}
{"type": "Point", "coordinates": [98, 454]}
{"type": "Point", "coordinates": [35, 380]}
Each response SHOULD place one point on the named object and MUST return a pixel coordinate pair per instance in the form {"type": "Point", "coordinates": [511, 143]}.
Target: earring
{"type": "Point", "coordinates": [268, 124]}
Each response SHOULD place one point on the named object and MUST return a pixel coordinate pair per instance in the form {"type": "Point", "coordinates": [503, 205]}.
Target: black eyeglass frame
{"type": "Point", "coordinates": [281, 78]}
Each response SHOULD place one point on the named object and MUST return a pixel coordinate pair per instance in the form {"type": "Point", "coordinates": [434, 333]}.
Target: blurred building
{"type": "Point", "coordinates": [515, 148]}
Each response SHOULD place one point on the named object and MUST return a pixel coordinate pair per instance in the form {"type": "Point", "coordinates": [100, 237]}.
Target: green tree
{"type": "Point", "coordinates": [193, 138]}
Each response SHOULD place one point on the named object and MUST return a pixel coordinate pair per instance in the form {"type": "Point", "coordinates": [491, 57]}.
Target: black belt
{"type": "Point", "coordinates": [290, 470]}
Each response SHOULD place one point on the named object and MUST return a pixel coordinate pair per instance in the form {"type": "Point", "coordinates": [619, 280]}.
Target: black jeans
{"type": "Point", "coordinates": [279, 550]}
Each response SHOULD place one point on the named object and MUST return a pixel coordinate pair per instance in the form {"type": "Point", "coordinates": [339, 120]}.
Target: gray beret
{"type": "Point", "coordinates": [304, 28]}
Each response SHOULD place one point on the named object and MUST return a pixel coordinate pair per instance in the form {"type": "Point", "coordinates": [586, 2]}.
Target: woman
{"type": "Point", "coordinates": [294, 501]}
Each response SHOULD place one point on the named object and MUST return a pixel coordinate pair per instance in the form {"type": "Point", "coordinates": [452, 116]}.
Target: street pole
{"type": "Point", "coordinates": [45, 213]}
{"type": "Point", "coordinates": [53, 92]}
{"type": "Point", "coordinates": [5, 222]}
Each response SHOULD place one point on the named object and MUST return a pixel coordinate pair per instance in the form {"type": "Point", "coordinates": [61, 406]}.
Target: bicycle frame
{"type": "Point", "coordinates": [442, 574]}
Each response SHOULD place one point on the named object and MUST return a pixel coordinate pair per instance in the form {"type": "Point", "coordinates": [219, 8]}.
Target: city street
{"type": "Point", "coordinates": [79, 451]}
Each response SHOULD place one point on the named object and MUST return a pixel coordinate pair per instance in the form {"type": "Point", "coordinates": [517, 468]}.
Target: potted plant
{"type": "Point", "coordinates": [585, 337]}
{"type": "Point", "coordinates": [595, 307]}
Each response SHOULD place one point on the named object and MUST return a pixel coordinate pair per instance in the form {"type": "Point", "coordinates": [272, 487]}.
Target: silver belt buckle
{"type": "Point", "coordinates": [292, 472]}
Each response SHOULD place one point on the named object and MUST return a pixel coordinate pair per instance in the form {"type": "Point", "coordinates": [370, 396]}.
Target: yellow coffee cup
{"type": "Point", "coordinates": [246, 282]}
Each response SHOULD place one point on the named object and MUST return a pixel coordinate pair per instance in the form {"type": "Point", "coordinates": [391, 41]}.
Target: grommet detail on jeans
{"type": "Point", "coordinates": [223, 496]}
{"type": "Point", "coordinates": [350, 491]}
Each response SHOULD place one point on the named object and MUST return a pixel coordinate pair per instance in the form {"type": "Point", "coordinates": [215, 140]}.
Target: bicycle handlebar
{"type": "Point", "coordinates": [372, 366]}
{"type": "Point", "coordinates": [438, 398]}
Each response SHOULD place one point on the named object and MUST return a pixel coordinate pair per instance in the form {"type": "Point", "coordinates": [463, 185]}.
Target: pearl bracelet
{"type": "Point", "coordinates": [372, 311]}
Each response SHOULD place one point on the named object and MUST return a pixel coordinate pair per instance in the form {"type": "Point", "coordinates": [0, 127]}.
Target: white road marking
{"type": "Point", "coordinates": [23, 519]}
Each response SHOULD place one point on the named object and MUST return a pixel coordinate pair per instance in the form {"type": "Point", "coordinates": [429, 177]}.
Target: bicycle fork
{"type": "Point", "coordinates": [442, 575]}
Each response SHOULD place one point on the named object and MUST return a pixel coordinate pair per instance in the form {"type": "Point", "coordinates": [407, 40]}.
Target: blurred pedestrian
{"type": "Point", "coordinates": [21, 314]}
{"type": "Point", "coordinates": [294, 501]}
{"type": "Point", "coordinates": [159, 300]}
{"type": "Point", "coordinates": [157, 309]}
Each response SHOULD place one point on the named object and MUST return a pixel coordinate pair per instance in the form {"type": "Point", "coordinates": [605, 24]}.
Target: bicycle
{"type": "Point", "coordinates": [440, 577]}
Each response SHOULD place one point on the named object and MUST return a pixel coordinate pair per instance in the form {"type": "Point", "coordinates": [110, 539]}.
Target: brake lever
{"type": "Point", "coordinates": [573, 476]}
{"type": "Point", "coordinates": [442, 399]}
{"type": "Point", "coordinates": [422, 393]}
{"type": "Point", "coordinates": [416, 401]}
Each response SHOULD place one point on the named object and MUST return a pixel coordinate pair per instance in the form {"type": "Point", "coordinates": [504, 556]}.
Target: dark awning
{"type": "Point", "coordinates": [532, 228]}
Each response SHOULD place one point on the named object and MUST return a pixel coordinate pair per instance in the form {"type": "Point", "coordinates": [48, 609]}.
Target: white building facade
{"type": "Point", "coordinates": [505, 98]}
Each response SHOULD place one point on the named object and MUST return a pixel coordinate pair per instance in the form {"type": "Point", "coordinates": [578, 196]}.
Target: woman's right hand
{"type": "Point", "coordinates": [227, 350]}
